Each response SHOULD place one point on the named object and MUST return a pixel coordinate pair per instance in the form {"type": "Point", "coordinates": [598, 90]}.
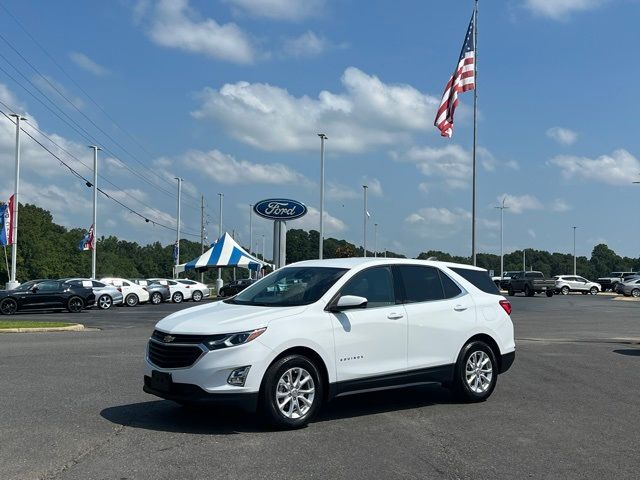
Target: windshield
{"type": "Point", "coordinates": [290, 287]}
{"type": "Point", "coordinates": [26, 286]}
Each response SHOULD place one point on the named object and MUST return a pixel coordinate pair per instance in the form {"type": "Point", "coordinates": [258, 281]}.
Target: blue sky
{"type": "Point", "coordinates": [229, 94]}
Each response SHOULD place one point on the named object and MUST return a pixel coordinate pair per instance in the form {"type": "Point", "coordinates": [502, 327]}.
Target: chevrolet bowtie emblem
{"type": "Point", "coordinates": [168, 339]}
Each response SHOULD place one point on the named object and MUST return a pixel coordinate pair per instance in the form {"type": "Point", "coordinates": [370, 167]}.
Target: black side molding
{"type": "Point", "coordinates": [507, 361]}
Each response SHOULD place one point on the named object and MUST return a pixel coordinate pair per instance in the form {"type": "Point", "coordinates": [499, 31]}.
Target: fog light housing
{"type": "Point", "coordinates": [238, 376]}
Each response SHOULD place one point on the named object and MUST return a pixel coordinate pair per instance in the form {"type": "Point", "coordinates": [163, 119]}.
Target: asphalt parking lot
{"type": "Point", "coordinates": [73, 408]}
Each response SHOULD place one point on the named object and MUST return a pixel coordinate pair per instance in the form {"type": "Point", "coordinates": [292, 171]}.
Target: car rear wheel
{"type": "Point", "coordinates": [156, 298]}
{"type": "Point", "coordinates": [132, 300]}
{"type": "Point", "coordinates": [75, 305]}
{"type": "Point", "coordinates": [549, 293]}
{"type": "Point", "coordinates": [291, 393]}
{"type": "Point", "coordinates": [635, 292]}
{"type": "Point", "coordinates": [511, 292]}
{"type": "Point", "coordinates": [105, 302]}
{"type": "Point", "coordinates": [476, 372]}
{"type": "Point", "coordinates": [528, 292]}
{"type": "Point", "coordinates": [8, 306]}
{"type": "Point", "coordinates": [564, 290]}
{"type": "Point", "coordinates": [178, 297]}
{"type": "Point", "coordinates": [196, 296]}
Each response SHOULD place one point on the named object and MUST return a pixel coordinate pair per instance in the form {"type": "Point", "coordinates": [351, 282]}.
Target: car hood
{"type": "Point", "coordinates": [221, 317]}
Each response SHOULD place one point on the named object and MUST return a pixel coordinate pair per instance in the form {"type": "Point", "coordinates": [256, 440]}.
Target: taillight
{"type": "Point", "coordinates": [506, 305]}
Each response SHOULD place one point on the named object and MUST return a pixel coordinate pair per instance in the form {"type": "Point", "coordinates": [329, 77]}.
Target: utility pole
{"type": "Point", "coordinates": [263, 247]}
{"type": "Point", "coordinates": [502, 207]}
{"type": "Point", "coordinates": [201, 232]}
{"type": "Point", "coordinates": [177, 260]}
{"type": "Point", "coordinates": [366, 214]}
{"type": "Point", "coordinates": [323, 137]}
{"type": "Point", "coordinates": [375, 240]}
{"type": "Point", "coordinates": [251, 233]}
{"type": "Point", "coordinates": [574, 250]}
{"type": "Point", "coordinates": [219, 280]}
{"type": "Point", "coordinates": [524, 259]}
{"type": "Point", "coordinates": [95, 209]}
{"type": "Point", "coordinates": [14, 234]}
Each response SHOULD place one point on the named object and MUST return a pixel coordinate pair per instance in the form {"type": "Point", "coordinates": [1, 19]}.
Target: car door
{"type": "Point", "coordinates": [440, 315]}
{"type": "Point", "coordinates": [46, 294]}
{"type": "Point", "coordinates": [370, 341]}
{"type": "Point", "coordinates": [582, 284]}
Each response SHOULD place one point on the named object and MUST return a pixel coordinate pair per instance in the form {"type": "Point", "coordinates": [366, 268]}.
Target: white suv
{"type": "Point", "coordinates": [319, 329]}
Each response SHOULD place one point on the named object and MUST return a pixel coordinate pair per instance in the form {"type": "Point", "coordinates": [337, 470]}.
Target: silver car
{"type": "Point", "coordinates": [631, 288]}
{"type": "Point", "coordinates": [573, 283]}
{"type": "Point", "coordinates": [106, 295]}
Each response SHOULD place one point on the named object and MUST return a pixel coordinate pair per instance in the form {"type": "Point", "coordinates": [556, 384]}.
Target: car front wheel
{"type": "Point", "coordinates": [635, 292]}
{"type": "Point", "coordinates": [8, 306]}
{"type": "Point", "coordinates": [292, 392]}
{"type": "Point", "coordinates": [131, 300]}
{"type": "Point", "coordinates": [178, 297]}
{"type": "Point", "coordinates": [476, 372]}
{"type": "Point", "coordinates": [593, 291]}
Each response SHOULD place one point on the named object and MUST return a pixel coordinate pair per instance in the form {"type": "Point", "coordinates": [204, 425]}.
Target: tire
{"type": "Point", "coordinates": [8, 306]}
{"type": "Point", "coordinates": [177, 297]}
{"type": "Point", "coordinates": [274, 387]}
{"type": "Point", "coordinates": [475, 358]}
{"type": "Point", "coordinates": [593, 290]}
{"type": "Point", "coordinates": [196, 296]}
{"type": "Point", "coordinates": [549, 293]}
{"type": "Point", "coordinates": [528, 292]}
{"type": "Point", "coordinates": [635, 292]}
{"type": "Point", "coordinates": [131, 300]}
{"type": "Point", "coordinates": [105, 302]}
{"type": "Point", "coordinates": [156, 298]}
{"type": "Point", "coordinates": [564, 290]}
{"type": "Point", "coordinates": [75, 305]}
{"type": "Point", "coordinates": [511, 292]}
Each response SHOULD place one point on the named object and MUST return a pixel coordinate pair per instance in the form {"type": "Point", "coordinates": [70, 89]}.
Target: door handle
{"type": "Point", "coordinates": [394, 316]}
{"type": "Point", "coordinates": [460, 308]}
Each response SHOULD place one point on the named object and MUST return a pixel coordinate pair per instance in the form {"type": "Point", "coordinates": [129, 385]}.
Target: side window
{"type": "Point", "coordinates": [171, 282]}
{"type": "Point", "coordinates": [421, 284]}
{"type": "Point", "coordinates": [126, 284]}
{"type": "Point", "coordinates": [48, 286]}
{"type": "Point", "coordinates": [98, 284]}
{"type": "Point", "coordinates": [375, 284]}
{"type": "Point", "coordinates": [479, 278]}
{"type": "Point", "coordinates": [450, 288]}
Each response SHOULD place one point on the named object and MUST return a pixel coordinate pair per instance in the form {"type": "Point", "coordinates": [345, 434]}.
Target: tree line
{"type": "Point", "coordinates": [49, 250]}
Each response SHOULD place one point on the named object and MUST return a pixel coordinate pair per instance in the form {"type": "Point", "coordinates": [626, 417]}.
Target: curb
{"type": "Point", "coordinates": [76, 327]}
{"type": "Point", "coordinates": [626, 299]}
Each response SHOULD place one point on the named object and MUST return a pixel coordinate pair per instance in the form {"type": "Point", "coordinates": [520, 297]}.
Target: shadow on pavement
{"type": "Point", "coordinates": [166, 416]}
{"type": "Point", "coordinates": [632, 352]}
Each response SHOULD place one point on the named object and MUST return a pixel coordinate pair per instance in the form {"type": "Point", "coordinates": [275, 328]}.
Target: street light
{"type": "Point", "coordinates": [574, 250]}
{"type": "Point", "coordinates": [323, 137]}
{"type": "Point", "coordinates": [502, 207]}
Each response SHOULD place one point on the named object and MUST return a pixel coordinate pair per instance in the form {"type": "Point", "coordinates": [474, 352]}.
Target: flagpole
{"type": "Point", "coordinates": [14, 215]}
{"type": "Point", "coordinates": [475, 128]}
{"type": "Point", "coordinates": [95, 209]}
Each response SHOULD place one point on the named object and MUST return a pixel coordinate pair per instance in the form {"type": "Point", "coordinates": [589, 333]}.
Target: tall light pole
{"type": "Point", "coordinates": [574, 250]}
{"type": "Point", "coordinates": [375, 240]}
{"type": "Point", "coordinates": [323, 137]}
{"type": "Point", "coordinates": [219, 280]}
{"type": "Point", "coordinates": [95, 209]}
{"type": "Point", "coordinates": [14, 216]}
{"type": "Point", "coordinates": [502, 207]}
{"type": "Point", "coordinates": [177, 259]}
{"type": "Point", "coordinates": [201, 232]}
{"type": "Point", "coordinates": [524, 259]}
{"type": "Point", "coordinates": [251, 233]}
{"type": "Point", "coordinates": [366, 214]}
{"type": "Point", "coordinates": [263, 247]}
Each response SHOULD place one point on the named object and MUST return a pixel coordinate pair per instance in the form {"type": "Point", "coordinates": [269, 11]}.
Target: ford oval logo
{"type": "Point", "coordinates": [280, 209]}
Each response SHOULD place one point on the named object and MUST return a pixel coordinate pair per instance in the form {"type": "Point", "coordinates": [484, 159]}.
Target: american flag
{"type": "Point", "coordinates": [462, 80]}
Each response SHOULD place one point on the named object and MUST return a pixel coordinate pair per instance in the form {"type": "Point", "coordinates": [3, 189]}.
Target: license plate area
{"type": "Point", "coordinates": [161, 381]}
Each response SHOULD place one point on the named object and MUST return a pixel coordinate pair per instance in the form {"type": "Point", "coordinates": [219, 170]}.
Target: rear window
{"type": "Point", "coordinates": [534, 275]}
{"type": "Point", "coordinates": [479, 278]}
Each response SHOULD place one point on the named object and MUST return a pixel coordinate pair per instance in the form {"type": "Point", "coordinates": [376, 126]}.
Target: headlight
{"type": "Point", "coordinates": [216, 342]}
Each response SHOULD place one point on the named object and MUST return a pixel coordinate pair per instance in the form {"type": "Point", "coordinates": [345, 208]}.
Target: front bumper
{"type": "Point", "coordinates": [193, 394]}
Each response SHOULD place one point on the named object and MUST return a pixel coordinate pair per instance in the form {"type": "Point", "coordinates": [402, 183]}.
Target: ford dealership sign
{"type": "Point", "coordinates": [280, 209]}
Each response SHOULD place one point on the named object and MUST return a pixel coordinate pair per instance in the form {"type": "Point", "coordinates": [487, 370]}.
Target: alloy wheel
{"type": "Point", "coordinates": [479, 372]}
{"type": "Point", "coordinates": [156, 298]}
{"type": "Point", "coordinates": [105, 302]}
{"type": "Point", "coordinates": [177, 297]}
{"type": "Point", "coordinates": [8, 306]}
{"type": "Point", "coordinates": [564, 290]}
{"type": "Point", "coordinates": [75, 305]}
{"type": "Point", "coordinates": [197, 296]}
{"type": "Point", "coordinates": [635, 292]}
{"type": "Point", "coordinates": [295, 393]}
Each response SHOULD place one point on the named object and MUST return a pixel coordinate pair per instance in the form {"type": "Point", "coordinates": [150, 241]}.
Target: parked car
{"type": "Point", "coordinates": [343, 326]}
{"type": "Point", "coordinates": [198, 290]}
{"type": "Point", "coordinates": [506, 279]}
{"type": "Point", "coordinates": [132, 292]}
{"type": "Point", "coordinates": [235, 287]}
{"type": "Point", "coordinates": [618, 288]}
{"type": "Point", "coordinates": [158, 292]}
{"type": "Point", "coordinates": [531, 283]}
{"type": "Point", "coordinates": [46, 295]}
{"type": "Point", "coordinates": [609, 282]}
{"type": "Point", "coordinates": [572, 283]}
{"type": "Point", "coordinates": [106, 295]}
{"type": "Point", "coordinates": [178, 291]}
{"type": "Point", "coordinates": [631, 288]}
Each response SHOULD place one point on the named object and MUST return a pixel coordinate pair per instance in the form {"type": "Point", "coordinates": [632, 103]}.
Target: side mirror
{"type": "Point", "coordinates": [34, 289]}
{"type": "Point", "coordinates": [349, 302]}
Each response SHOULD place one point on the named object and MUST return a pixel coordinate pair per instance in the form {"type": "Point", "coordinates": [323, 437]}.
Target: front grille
{"type": "Point", "coordinates": [173, 356]}
{"type": "Point", "coordinates": [178, 338]}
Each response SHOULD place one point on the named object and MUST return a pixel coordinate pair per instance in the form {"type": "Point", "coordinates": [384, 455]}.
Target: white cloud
{"type": "Point", "coordinates": [227, 169]}
{"type": "Point", "coordinates": [291, 10]}
{"type": "Point", "coordinates": [375, 187]}
{"type": "Point", "coordinates": [58, 90]}
{"type": "Point", "coordinates": [368, 114]}
{"type": "Point", "coordinates": [174, 24]}
{"type": "Point", "coordinates": [311, 221]}
{"type": "Point", "coordinates": [520, 203]}
{"type": "Point", "coordinates": [432, 222]}
{"type": "Point", "coordinates": [560, 9]}
{"type": "Point", "coordinates": [531, 232]}
{"type": "Point", "coordinates": [559, 205]}
{"type": "Point", "coordinates": [84, 62]}
{"type": "Point", "coordinates": [337, 191]}
{"type": "Point", "coordinates": [306, 45]}
{"type": "Point", "coordinates": [563, 136]}
{"type": "Point", "coordinates": [424, 187]}
{"type": "Point", "coordinates": [619, 168]}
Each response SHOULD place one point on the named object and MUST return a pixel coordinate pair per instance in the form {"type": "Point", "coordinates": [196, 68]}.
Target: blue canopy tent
{"type": "Point", "coordinates": [224, 253]}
